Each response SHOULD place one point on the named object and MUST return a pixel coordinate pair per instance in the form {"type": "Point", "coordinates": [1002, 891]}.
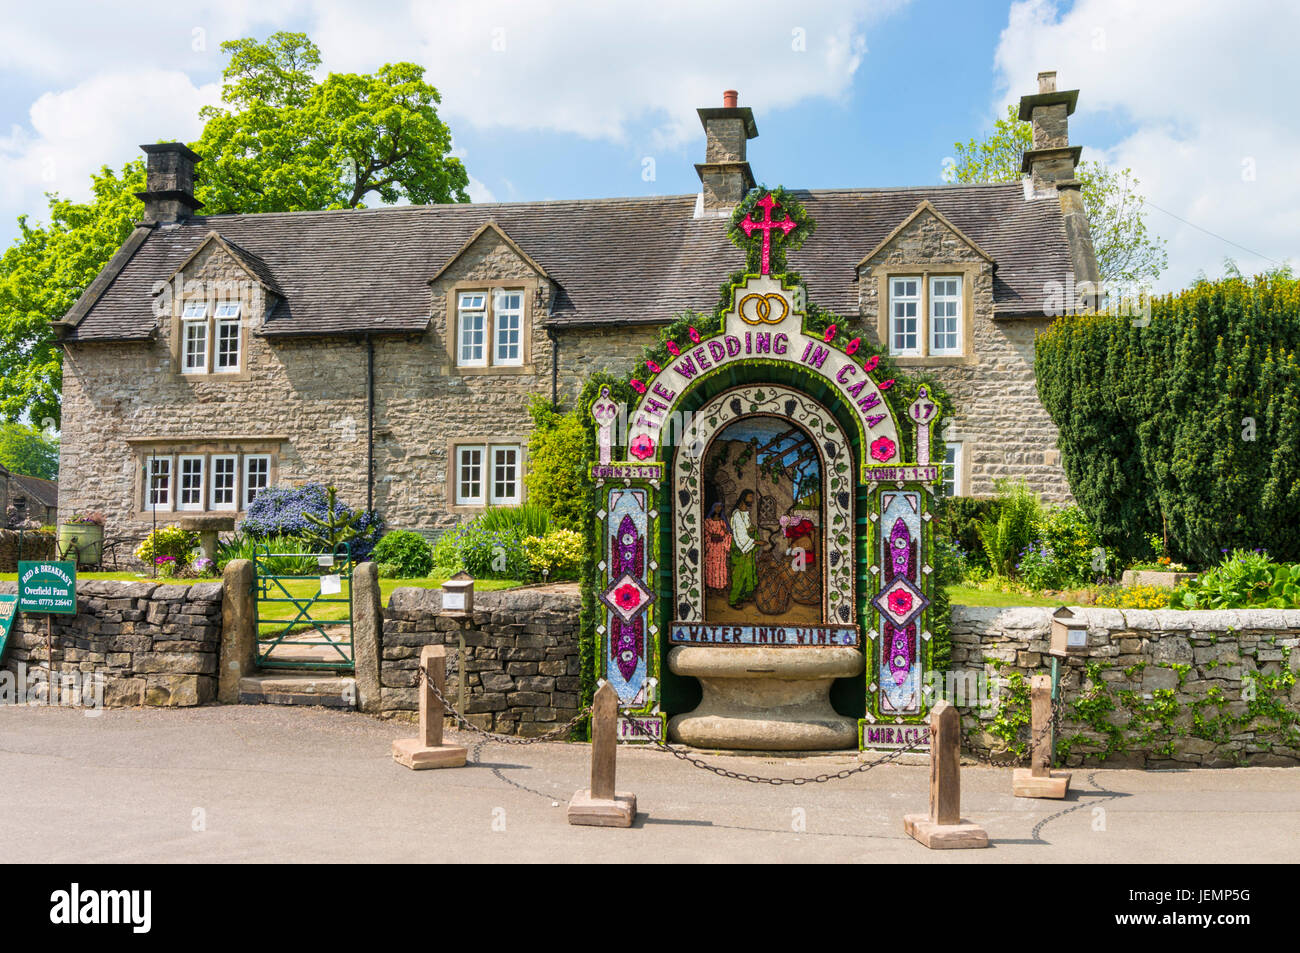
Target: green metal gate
{"type": "Point", "coordinates": [296, 626]}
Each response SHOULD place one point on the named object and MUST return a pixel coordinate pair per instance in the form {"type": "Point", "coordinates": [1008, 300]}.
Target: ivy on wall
{"type": "Point", "coordinates": [1118, 722]}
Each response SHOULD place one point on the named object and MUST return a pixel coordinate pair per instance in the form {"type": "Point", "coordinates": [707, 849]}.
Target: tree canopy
{"type": "Point", "coordinates": [29, 451]}
{"type": "Point", "coordinates": [281, 141]}
{"type": "Point", "coordinates": [1126, 251]}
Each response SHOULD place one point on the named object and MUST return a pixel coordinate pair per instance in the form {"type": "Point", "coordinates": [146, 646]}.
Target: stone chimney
{"type": "Point", "coordinates": [1051, 164]}
{"type": "Point", "coordinates": [169, 183]}
{"type": "Point", "coordinates": [724, 173]}
{"type": "Point", "coordinates": [1052, 159]}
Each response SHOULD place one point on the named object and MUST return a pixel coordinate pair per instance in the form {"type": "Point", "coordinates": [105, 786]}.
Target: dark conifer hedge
{"type": "Point", "coordinates": [1186, 425]}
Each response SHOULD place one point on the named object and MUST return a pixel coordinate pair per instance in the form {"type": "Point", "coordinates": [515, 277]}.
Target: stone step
{"type": "Point", "coordinates": [299, 688]}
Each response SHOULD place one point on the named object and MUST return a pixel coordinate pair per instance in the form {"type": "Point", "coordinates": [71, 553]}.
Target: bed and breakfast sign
{"type": "Point", "coordinates": [49, 587]}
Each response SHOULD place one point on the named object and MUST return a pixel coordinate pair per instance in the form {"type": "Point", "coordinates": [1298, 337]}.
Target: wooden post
{"type": "Point", "coordinates": [428, 750]}
{"type": "Point", "coordinates": [1039, 780]}
{"type": "Point", "coordinates": [943, 828]}
{"type": "Point", "coordinates": [600, 805]}
{"type": "Point", "coordinates": [433, 662]}
{"type": "Point", "coordinates": [945, 764]}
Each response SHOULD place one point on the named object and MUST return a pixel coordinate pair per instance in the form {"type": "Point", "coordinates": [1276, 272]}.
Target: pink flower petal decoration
{"type": "Point", "coordinates": [695, 335]}
{"type": "Point", "coordinates": [642, 447]}
{"type": "Point", "coordinates": [637, 386]}
{"type": "Point", "coordinates": [871, 363]}
{"type": "Point", "coordinates": [652, 367]}
{"type": "Point", "coordinates": [853, 346]}
{"type": "Point", "coordinates": [885, 385]}
{"type": "Point", "coordinates": [673, 349]}
{"type": "Point", "coordinates": [882, 448]}
{"type": "Point", "coordinates": [829, 335]}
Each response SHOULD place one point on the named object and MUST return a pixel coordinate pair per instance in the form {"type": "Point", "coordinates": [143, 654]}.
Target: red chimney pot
{"type": "Point", "coordinates": [729, 98]}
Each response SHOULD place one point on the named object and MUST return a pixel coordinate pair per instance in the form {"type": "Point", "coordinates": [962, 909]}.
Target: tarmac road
{"type": "Point", "coordinates": [264, 784]}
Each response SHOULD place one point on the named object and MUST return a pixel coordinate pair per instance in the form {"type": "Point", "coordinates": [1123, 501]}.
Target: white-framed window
{"type": "Point", "coordinates": [189, 493]}
{"type": "Point", "coordinates": [225, 482]}
{"type": "Point", "coordinates": [905, 316]}
{"type": "Point", "coordinates": [508, 321]}
{"type": "Point", "coordinates": [489, 474]}
{"type": "Point", "coordinates": [158, 483]}
{"type": "Point", "coordinates": [469, 475]}
{"type": "Point", "coordinates": [945, 315]}
{"type": "Point", "coordinates": [227, 339]}
{"type": "Point", "coordinates": [505, 475]}
{"type": "Point", "coordinates": [471, 336]}
{"type": "Point", "coordinates": [194, 338]}
{"type": "Point", "coordinates": [257, 476]}
{"type": "Point", "coordinates": [952, 469]}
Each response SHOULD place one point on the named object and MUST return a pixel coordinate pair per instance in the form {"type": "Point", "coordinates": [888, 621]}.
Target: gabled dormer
{"type": "Point", "coordinates": [210, 303]}
{"type": "Point", "coordinates": [487, 301]}
{"type": "Point", "coordinates": [921, 287]}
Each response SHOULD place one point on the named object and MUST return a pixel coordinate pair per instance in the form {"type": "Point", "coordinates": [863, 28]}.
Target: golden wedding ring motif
{"type": "Point", "coordinates": [763, 308]}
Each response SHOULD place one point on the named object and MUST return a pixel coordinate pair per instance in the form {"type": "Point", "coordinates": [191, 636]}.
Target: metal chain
{"type": "Point", "coordinates": [1053, 725]}
{"type": "Point", "coordinates": [421, 677]}
{"type": "Point", "coordinates": [703, 765]}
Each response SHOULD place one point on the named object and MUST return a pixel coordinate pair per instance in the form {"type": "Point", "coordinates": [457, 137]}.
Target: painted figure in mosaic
{"type": "Point", "coordinates": [744, 555]}
{"type": "Point", "coordinates": [717, 549]}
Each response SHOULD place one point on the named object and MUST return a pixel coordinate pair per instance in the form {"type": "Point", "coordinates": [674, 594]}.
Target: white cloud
{"type": "Point", "coordinates": [586, 68]}
{"type": "Point", "coordinates": [100, 121]}
{"type": "Point", "coordinates": [1203, 94]}
{"type": "Point", "coordinates": [592, 68]}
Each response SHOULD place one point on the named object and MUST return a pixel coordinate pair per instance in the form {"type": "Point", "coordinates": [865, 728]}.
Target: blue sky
{"type": "Point", "coordinates": [570, 99]}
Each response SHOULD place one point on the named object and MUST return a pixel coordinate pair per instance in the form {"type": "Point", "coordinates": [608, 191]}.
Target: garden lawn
{"type": "Point", "coordinates": [970, 596]}
{"type": "Point", "coordinates": [298, 588]}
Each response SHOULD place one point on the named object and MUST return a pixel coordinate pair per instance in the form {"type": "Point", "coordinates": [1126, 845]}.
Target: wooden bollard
{"type": "Point", "coordinates": [600, 805]}
{"type": "Point", "coordinates": [943, 828]}
{"type": "Point", "coordinates": [1039, 780]}
{"type": "Point", "coordinates": [428, 751]}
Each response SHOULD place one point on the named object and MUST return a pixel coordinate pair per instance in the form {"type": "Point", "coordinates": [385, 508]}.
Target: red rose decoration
{"type": "Point", "coordinates": [900, 602]}
{"type": "Point", "coordinates": [882, 448]}
{"type": "Point", "coordinates": [627, 596]}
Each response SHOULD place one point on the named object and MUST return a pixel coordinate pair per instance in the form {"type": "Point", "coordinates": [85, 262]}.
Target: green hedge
{"type": "Point", "coordinates": [1186, 425]}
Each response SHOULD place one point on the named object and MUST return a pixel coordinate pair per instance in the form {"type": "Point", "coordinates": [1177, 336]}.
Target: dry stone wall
{"type": "Point", "coordinates": [1157, 689]}
{"type": "Point", "coordinates": [521, 655]}
{"type": "Point", "coordinates": [153, 644]}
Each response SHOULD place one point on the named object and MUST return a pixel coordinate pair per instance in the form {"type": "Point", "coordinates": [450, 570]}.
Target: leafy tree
{"type": "Point", "coordinates": [26, 450]}
{"type": "Point", "coordinates": [1125, 249]}
{"type": "Point", "coordinates": [282, 141]}
{"type": "Point", "coordinates": [41, 276]}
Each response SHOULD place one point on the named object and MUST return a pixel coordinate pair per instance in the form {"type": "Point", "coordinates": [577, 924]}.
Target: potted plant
{"type": "Point", "coordinates": [82, 538]}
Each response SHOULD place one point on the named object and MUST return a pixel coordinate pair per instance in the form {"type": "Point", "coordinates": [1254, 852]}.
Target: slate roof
{"type": "Point", "coordinates": [616, 261]}
{"type": "Point", "coordinates": [44, 492]}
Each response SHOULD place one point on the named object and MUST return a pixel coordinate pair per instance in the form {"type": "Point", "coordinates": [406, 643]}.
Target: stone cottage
{"type": "Point", "coordinates": [394, 351]}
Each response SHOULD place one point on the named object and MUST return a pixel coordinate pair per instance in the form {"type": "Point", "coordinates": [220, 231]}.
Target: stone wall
{"type": "Point", "coordinates": [1158, 689]}
{"type": "Point", "coordinates": [154, 644]}
{"type": "Point", "coordinates": [33, 546]}
{"type": "Point", "coordinates": [521, 651]}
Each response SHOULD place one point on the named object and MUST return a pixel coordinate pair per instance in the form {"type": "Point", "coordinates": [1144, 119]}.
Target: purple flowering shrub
{"type": "Point", "coordinates": [282, 511]}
